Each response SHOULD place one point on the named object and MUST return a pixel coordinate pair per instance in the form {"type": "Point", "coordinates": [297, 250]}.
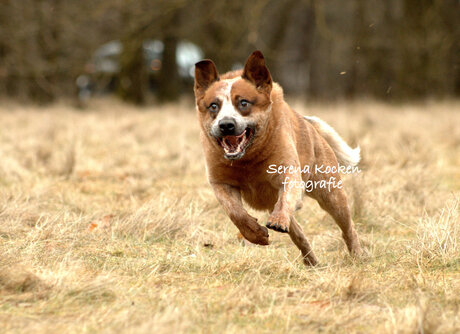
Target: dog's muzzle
{"type": "Point", "coordinates": [233, 136]}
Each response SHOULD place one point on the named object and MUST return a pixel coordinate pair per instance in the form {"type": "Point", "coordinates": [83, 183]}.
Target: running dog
{"type": "Point", "coordinates": [259, 150]}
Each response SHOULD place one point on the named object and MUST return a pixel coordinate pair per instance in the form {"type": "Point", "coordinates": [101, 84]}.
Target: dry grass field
{"type": "Point", "coordinates": [107, 224]}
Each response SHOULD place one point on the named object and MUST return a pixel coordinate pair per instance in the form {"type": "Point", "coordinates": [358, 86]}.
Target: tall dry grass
{"type": "Point", "coordinates": [107, 224]}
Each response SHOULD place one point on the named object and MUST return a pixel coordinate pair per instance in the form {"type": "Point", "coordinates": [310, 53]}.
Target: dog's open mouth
{"type": "Point", "coordinates": [235, 146]}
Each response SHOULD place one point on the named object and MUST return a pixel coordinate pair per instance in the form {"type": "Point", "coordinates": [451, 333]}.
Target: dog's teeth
{"type": "Point", "coordinates": [234, 145]}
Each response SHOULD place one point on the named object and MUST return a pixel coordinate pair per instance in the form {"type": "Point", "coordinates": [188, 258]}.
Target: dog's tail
{"type": "Point", "coordinates": [346, 155]}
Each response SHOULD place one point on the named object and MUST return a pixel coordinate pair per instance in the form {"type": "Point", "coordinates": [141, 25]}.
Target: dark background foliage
{"type": "Point", "coordinates": [390, 50]}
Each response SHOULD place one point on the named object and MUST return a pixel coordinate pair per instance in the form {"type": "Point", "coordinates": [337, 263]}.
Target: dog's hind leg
{"type": "Point", "coordinates": [336, 204]}
{"type": "Point", "coordinates": [299, 239]}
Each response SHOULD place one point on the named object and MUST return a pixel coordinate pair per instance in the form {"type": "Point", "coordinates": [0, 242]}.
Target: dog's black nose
{"type": "Point", "coordinates": [227, 126]}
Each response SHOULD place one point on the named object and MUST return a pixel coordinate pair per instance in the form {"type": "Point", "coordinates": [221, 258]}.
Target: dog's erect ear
{"type": "Point", "coordinates": [205, 74]}
{"type": "Point", "coordinates": [256, 72]}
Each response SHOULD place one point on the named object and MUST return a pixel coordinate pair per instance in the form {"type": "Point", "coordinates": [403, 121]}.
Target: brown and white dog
{"type": "Point", "coordinates": [253, 142]}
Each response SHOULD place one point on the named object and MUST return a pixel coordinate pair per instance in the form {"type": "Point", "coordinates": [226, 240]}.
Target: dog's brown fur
{"type": "Point", "coordinates": [282, 138]}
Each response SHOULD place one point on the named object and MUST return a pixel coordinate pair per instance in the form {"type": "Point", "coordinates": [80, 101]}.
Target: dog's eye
{"type": "Point", "coordinates": [243, 105]}
{"type": "Point", "coordinates": [214, 107]}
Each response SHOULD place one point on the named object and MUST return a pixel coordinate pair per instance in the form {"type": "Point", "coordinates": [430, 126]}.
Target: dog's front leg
{"type": "Point", "coordinates": [230, 198]}
{"type": "Point", "coordinates": [289, 200]}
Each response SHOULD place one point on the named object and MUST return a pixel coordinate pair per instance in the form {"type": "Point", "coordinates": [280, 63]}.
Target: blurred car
{"type": "Point", "coordinates": [103, 69]}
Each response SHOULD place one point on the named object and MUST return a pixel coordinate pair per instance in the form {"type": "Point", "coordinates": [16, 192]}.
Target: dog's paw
{"type": "Point", "coordinates": [255, 233]}
{"type": "Point", "coordinates": [278, 223]}
{"type": "Point", "coordinates": [357, 252]}
{"type": "Point", "coordinates": [259, 237]}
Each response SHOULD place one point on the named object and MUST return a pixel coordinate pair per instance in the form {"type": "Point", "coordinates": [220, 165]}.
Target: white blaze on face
{"type": "Point", "coordinates": [227, 109]}
{"type": "Point", "coordinates": [235, 144]}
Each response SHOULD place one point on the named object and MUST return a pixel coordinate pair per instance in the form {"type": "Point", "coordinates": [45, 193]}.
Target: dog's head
{"type": "Point", "coordinates": [233, 112]}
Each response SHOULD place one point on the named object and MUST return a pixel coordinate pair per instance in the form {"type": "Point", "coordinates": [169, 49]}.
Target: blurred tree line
{"type": "Point", "coordinates": [393, 49]}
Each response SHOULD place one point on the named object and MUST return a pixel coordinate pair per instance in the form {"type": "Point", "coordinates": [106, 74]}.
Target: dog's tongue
{"type": "Point", "coordinates": [232, 140]}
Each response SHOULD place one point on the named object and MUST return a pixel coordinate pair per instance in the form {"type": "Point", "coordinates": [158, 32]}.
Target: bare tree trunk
{"type": "Point", "coordinates": [40, 84]}
{"type": "Point", "coordinates": [132, 77]}
{"type": "Point", "coordinates": [169, 83]}
{"type": "Point", "coordinates": [278, 35]}
{"type": "Point", "coordinates": [355, 84]}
